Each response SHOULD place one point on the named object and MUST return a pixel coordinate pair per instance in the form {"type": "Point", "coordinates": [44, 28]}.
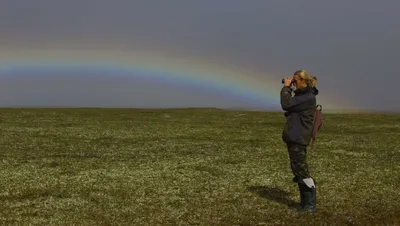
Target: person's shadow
{"type": "Point", "coordinates": [274, 194]}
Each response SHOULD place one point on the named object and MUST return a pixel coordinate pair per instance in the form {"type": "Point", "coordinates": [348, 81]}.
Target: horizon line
{"type": "Point", "coordinates": [261, 109]}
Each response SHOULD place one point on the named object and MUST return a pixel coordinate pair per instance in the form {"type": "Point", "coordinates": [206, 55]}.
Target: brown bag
{"type": "Point", "coordinates": [318, 121]}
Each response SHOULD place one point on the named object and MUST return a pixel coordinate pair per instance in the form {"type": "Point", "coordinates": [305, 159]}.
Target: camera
{"type": "Point", "coordinates": [293, 81]}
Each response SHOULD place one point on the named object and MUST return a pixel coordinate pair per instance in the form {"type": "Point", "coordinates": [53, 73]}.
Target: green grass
{"type": "Point", "coordinates": [191, 166]}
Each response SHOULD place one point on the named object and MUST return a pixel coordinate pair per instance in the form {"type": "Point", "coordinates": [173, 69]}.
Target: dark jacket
{"type": "Point", "coordinates": [299, 114]}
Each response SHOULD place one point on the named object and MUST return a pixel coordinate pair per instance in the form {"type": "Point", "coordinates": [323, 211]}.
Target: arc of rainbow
{"type": "Point", "coordinates": [237, 82]}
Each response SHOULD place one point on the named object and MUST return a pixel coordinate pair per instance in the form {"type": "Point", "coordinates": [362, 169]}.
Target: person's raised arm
{"type": "Point", "coordinates": [289, 103]}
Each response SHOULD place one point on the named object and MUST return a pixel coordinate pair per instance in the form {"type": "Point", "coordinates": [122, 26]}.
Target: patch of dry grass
{"type": "Point", "coordinates": [191, 166]}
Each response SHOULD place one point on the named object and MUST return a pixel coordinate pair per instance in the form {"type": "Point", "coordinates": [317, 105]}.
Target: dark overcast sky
{"type": "Point", "coordinates": [353, 47]}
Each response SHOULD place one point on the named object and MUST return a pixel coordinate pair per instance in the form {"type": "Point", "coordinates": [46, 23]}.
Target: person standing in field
{"type": "Point", "coordinates": [297, 132]}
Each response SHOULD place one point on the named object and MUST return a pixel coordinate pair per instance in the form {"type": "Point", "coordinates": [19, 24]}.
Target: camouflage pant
{"type": "Point", "coordinates": [298, 161]}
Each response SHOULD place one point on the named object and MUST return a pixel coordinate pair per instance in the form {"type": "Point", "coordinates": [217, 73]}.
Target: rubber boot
{"type": "Point", "coordinates": [301, 205]}
{"type": "Point", "coordinates": [309, 197]}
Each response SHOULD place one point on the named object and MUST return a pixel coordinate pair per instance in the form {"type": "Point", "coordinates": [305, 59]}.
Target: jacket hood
{"type": "Point", "coordinates": [313, 90]}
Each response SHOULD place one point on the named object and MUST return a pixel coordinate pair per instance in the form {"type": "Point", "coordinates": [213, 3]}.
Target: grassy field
{"type": "Point", "coordinates": [191, 167]}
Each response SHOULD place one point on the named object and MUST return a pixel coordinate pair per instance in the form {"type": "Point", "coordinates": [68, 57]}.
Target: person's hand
{"type": "Point", "coordinates": [288, 81]}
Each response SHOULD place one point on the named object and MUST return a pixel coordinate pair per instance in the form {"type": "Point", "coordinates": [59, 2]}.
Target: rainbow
{"type": "Point", "coordinates": [237, 82]}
